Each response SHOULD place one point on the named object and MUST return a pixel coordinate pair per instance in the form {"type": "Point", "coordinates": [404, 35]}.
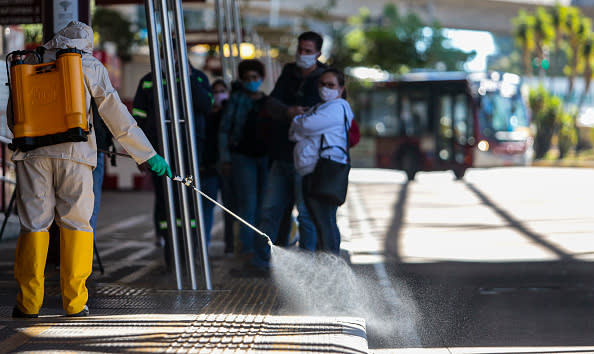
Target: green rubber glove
{"type": "Point", "coordinates": [159, 166]}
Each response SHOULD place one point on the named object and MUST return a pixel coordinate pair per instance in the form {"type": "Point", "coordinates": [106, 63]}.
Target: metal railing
{"type": "Point", "coordinates": [174, 108]}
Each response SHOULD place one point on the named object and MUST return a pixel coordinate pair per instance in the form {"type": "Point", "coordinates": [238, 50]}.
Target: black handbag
{"type": "Point", "coordinates": [330, 179]}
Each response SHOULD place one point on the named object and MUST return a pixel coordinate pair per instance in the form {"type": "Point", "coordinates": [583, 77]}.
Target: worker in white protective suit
{"type": "Point", "coordinates": [56, 181]}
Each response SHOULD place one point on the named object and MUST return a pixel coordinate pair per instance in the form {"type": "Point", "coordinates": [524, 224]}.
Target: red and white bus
{"type": "Point", "coordinates": [437, 121]}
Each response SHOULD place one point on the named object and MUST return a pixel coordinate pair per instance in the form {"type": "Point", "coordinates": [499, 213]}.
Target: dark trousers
{"type": "Point", "coordinates": [323, 215]}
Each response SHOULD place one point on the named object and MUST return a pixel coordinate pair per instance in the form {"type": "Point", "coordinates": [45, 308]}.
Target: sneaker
{"type": "Point", "coordinates": [83, 313]}
{"type": "Point", "coordinates": [16, 313]}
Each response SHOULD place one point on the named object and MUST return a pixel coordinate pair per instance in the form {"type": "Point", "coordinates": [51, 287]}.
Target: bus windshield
{"type": "Point", "coordinates": [500, 116]}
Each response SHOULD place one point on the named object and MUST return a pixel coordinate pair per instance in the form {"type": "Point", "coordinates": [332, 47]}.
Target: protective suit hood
{"type": "Point", "coordinates": [75, 35]}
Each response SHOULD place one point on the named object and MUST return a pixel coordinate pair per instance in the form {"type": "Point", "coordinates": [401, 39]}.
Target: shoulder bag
{"type": "Point", "coordinates": [330, 179]}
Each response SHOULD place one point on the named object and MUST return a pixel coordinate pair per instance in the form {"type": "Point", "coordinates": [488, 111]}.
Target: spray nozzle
{"type": "Point", "coordinates": [188, 181]}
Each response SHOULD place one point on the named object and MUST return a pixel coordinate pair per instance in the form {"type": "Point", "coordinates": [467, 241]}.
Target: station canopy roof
{"type": "Point", "coordinates": [126, 2]}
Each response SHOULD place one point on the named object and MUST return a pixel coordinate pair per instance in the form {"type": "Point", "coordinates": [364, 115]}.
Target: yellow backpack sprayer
{"type": "Point", "coordinates": [48, 99]}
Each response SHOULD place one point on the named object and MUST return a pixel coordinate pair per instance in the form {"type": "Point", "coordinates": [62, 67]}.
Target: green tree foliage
{"type": "Point", "coordinates": [567, 136]}
{"type": "Point", "coordinates": [524, 38]}
{"type": "Point", "coordinates": [395, 43]}
{"type": "Point", "coordinates": [588, 58]}
{"type": "Point", "coordinates": [111, 26]}
{"type": "Point", "coordinates": [549, 117]}
{"type": "Point", "coordinates": [562, 36]}
{"type": "Point", "coordinates": [33, 33]}
{"type": "Point", "coordinates": [578, 30]}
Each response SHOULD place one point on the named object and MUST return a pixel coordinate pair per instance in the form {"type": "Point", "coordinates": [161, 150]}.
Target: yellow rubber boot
{"type": "Point", "coordinates": [29, 270]}
{"type": "Point", "coordinates": [76, 264]}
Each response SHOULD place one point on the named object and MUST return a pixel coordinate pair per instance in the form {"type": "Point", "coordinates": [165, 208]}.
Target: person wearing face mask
{"type": "Point", "coordinates": [242, 152]}
{"type": "Point", "coordinates": [297, 88]}
{"type": "Point", "coordinates": [210, 180]}
{"type": "Point", "coordinates": [322, 131]}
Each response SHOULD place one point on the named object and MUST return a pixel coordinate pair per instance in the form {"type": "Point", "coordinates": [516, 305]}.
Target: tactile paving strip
{"type": "Point", "coordinates": [126, 319]}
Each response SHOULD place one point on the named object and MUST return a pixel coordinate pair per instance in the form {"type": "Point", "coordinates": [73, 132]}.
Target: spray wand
{"type": "Point", "coordinates": [189, 181]}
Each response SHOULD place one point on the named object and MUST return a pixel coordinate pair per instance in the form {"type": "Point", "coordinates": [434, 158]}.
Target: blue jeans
{"type": "Point", "coordinates": [282, 191]}
{"type": "Point", "coordinates": [210, 186]}
{"type": "Point", "coordinates": [249, 179]}
{"type": "Point", "coordinates": [98, 173]}
{"type": "Point", "coordinates": [324, 217]}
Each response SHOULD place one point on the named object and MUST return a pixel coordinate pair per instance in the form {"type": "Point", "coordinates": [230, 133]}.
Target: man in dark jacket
{"type": "Point", "coordinates": [297, 87]}
{"type": "Point", "coordinates": [145, 113]}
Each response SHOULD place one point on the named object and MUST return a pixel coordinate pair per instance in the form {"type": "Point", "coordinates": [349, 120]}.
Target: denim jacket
{"type": "Point", "coordinates": [232, 122]}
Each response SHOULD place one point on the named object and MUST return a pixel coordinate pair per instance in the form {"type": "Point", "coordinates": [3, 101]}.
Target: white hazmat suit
{"type": "Point", "coordinates": [55, 182]}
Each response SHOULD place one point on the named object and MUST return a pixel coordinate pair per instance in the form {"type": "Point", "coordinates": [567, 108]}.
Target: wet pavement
{"type": "Point", "coordinates": [135, 306]}
{"type": "Point", "coordinates": [500, 262]}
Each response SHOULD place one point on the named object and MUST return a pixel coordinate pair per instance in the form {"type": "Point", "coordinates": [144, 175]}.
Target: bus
{"type": "Point", "coordinates": [439, 121]}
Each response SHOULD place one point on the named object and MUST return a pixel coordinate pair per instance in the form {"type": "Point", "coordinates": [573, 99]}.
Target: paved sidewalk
{"type": "Point", "coordinates": [135, 307]}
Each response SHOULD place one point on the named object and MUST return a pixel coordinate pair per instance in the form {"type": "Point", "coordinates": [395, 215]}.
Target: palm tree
{"type": "Point", "coordinates": [578, 30]}
{"type": "Point", "coordinates": [524, 38]}
{"type": "Point", "coordinates": [544, 33]}
{"type": "Point", "coordinates": [558, 18]}
{"type": "Point", "coordinates": [587, 58]}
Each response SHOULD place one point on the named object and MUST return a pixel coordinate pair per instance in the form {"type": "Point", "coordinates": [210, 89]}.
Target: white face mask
{"type": "Point", "coordinates": [328, 94]}
{"type": "Point", "coordinates": [306, 61]}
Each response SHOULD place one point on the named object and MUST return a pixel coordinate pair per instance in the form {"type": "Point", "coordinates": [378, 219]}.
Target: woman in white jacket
{"type": "Point", "coordinates": [327, 123]}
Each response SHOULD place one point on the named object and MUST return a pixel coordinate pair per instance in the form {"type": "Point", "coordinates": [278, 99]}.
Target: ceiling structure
{"type": "Point", "coordinates": [483, 15]}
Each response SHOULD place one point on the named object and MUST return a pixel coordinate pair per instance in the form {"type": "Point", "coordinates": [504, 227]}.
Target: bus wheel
{"type": "Point", "coordinates": [409, 165]}
{"type": "Point", "coordinates": [459, 172]}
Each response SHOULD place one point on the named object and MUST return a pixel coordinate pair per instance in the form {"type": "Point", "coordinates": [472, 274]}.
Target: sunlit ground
{"type": "Point", "coordinates": [444, 220]}
{"type": "Point", "coordinates": [189, 333]}
{"type": "Point", "coordinates": [493, 216]}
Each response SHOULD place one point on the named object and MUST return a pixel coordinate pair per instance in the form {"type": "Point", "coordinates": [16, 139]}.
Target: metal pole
{"type": "Point", "coordinates": [230, 39]}
{"type": "Point", "coordinates": [177, 137]}
{"type": "Point", "coordinates": [237, 21]}
{"type": "Point", "coordinates": [225, 72]}
{"type": "Point", "coordinates": [274, 12]}
{"type": "Point", "coordinates": [186, 97]}
{"type": "Point", "coordinates": [159, 100]}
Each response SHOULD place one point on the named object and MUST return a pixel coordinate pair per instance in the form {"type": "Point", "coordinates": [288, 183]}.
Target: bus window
{"type": "Point", "coordinates": [414, 115]}
{"type": "Point", "coordinates": [519, 118]}
{"type": "Point", "coordinates": [462, 118]}
{"type": "Point", "coordinates": [500, 114]}
{"type": "Point", "coordinates": [444, 133]}
{"type": "Point", "coordinates": [382, 119]}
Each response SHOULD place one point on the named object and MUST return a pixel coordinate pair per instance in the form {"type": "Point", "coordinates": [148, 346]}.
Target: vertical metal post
{"type": "Point", "coordinates": [163, 136]}
{"type": "Point", "coordinates": [230, 37]}
{"type": "Point", "coordinates": [177, 138]}
{"type": "Point", "coordinates": [225, 72]}
{"type": "Point", "coordinates": [237, 23]}
{"type": "Point", "coordinates": [186, 98]}
{"type": "Point", "coordinates": [274, 12]}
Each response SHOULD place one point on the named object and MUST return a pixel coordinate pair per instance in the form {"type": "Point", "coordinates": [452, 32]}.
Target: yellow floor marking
{"type": "Point", "coordinates": [23, 336]}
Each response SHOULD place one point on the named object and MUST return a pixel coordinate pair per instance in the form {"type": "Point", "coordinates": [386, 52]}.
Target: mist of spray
{"type": "Point", "coordinates": [322, 284]}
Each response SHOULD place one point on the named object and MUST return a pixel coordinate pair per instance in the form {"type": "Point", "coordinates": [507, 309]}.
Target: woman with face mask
{"type": "Point", "coordinates": [322, 131]}
{"type": "Point", "coordinates": [243, 152]}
